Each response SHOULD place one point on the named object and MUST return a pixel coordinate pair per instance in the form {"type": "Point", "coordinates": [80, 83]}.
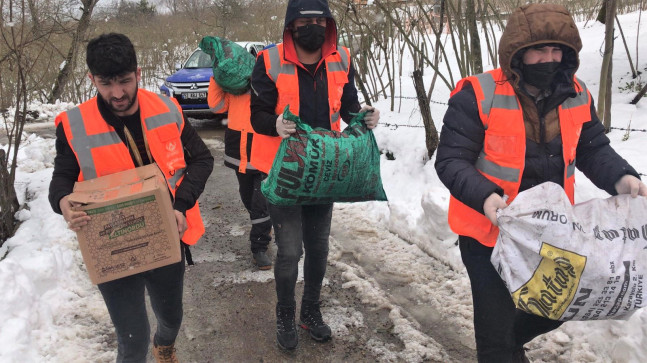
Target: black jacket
{"type": "Point", "coordinates": [313, 81]}
{"type": "Point", "coordinates": [198, 159]}
{"type": "Point", "coordinates": [461, 141]}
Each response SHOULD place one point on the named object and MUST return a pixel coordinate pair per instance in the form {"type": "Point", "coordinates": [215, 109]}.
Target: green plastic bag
{"type": "Point", "coordinates": [232, 64]}
{"type": "Point", "coordinates": [318, 166]}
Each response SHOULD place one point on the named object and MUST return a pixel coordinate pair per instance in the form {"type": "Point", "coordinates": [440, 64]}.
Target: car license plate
{"type": "Point", "coordinates": [194, 95]}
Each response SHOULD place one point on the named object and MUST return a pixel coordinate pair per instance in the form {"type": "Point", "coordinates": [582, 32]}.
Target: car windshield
{"type": "Point", "coordinates": [198, 59]}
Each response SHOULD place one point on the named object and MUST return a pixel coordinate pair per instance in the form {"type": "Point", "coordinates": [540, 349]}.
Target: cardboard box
{"type": "Point", "coordinates": [133, 227]}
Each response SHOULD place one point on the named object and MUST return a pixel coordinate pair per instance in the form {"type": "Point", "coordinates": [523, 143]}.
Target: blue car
{"type": "Point", "coordinates": [189, 85]}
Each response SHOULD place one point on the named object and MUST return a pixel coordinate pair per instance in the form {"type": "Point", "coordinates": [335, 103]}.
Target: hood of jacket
{"type": "Point", "coordinates": [309, 9]}
{"type": "Point", "coordinates": [535, 24]}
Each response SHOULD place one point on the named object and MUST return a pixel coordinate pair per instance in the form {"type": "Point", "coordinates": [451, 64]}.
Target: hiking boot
{"type": "Point", "coordinates": [262, 261]}
{"type": "Point", "coordinates": [286, 330]}
{"type": "Point", "coordinates": [164, 353]}
{"type": "Point", "coordinates": [312, 321]}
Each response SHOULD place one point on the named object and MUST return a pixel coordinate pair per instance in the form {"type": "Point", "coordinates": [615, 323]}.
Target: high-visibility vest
{"type": "Point", "coordinates": [100, 151]}
{"type": "Point", "coordinates": [502, 159]}
{"type": "Point", "coordinates": [239, 114]}
{"type": "Point", "coordinates": [285, 76]}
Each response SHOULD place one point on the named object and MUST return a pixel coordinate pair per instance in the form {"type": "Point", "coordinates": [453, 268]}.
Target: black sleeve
{"type": "Point", "coordinates": [199, 164]}
{"type": "Point", "coordinates": [349, 101]}
{"type": "Point", "coordinates": [66, 170]}
{"type": "Point", "coordinates": [596, 158]}
{"type": "Point", "coordinates": [461, 142]}
{"type": "Point", "coordinates": [263, 101]}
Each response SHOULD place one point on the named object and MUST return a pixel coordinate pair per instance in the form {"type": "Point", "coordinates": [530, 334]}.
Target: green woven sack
{"type": "Point", "coordinates": [232, 64]}
{"type": "Point", "coordinates": [317, 166]}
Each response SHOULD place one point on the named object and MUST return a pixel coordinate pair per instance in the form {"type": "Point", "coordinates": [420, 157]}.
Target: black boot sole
{"type": "Point", "coordinates": [316, 339]}
{"type": "Point", "coordinates": [286, 348]}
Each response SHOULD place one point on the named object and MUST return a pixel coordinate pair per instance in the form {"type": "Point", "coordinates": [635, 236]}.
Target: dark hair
{"type": "Point", "coordinates": [111, 55]}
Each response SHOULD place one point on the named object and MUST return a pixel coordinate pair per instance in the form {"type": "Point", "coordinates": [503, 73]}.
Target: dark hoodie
{"type": "Point", "coordinates": [313, 83]}
{"type": "Point", "coordinates": [461, 139]}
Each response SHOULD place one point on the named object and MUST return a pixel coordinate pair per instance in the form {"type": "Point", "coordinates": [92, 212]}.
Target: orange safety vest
{"type": "Point", "coordinates": [100, 151]}
{"type": "Point", "coordinates": [285, 76]}
{"type": "Point", "coordinates": [502, 159]}
{"type": "Point", "coordinates": [239, 114]}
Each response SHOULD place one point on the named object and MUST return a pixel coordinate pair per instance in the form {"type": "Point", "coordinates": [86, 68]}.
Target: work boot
{"type": "Point", "coordinates": [262, 261]}
{"type": "Point", "coordinates": [312, 321]}
{"type": "Point", "coordinates": [164, 353]}
{"type": "Point", "coordinates": [286, 330]}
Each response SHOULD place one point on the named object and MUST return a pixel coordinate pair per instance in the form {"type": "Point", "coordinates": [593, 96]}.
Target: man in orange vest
{"type": "Point", "coordinates": [507, 130]}
{"type": "Point", "coordinates": [314, 77]}
{"type": "Point", "coordinates": [239, 141]}
{"type": "Point", "coordinates": [121, 128]}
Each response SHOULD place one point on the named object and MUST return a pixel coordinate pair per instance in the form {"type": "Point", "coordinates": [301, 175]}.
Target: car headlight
{"type": "Point", "coordinates": [168, 84]}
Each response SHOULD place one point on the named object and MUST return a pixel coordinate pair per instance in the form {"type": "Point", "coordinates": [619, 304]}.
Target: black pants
{"type": "Point", "coordinates": [126, 304]}
{"type": "Point", "coordinates": [499, 327]}
{"type": "Point", "coordinates": [249, 187]}
{"type": "Point", "coordinates": [297, 228]}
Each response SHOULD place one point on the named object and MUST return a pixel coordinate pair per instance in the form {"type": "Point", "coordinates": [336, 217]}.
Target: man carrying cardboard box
{"type": "Point", "coordinates": [122, 128]}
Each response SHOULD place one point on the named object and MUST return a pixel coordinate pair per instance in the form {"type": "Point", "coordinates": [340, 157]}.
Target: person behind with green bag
{"type": "Point", "coordinates": [314, 77]}
{"type": "Point", "coordinates": [239, 141]}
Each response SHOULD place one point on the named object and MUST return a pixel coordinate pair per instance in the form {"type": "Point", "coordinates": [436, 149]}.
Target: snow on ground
{"type": "Point", "coordinates": [52, 313]}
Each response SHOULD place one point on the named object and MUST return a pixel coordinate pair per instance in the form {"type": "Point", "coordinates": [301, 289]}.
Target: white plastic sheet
{"type": "Point", "coordinates": [565, 262]}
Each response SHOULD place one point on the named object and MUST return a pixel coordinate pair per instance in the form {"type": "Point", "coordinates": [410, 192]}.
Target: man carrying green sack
{"type": "Point", "coordinates": [232, 64]}
{"type": "Point", "coordinates": [319, 166]}
{"type": "Point", "coordinates": [311, 74]}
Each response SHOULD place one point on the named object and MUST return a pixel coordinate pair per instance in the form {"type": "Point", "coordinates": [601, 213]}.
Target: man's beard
{"type": "Point", "coordinates": [131, 102]}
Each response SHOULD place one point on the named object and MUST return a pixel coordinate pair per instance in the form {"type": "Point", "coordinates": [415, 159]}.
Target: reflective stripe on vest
{"type": "Point", "coordinates": [100, 151]}
{"type": "Point", "coordinates": [81, 141]}
{"type": "Point", "coordinates": [503, 156]}
{"type": "Point", "coordinates": [285, 76]}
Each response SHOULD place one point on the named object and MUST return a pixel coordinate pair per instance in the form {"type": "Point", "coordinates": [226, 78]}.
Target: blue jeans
{"type": "Point", "coordinates": [297, 228]}
{"type": "Point", "coordinates": [126, 304]}
{"type": "Point", "coordinates": [500, 328]}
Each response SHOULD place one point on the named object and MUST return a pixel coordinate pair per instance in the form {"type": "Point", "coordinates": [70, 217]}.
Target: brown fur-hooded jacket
{"type": "Point", "coordinates": [461, 139]}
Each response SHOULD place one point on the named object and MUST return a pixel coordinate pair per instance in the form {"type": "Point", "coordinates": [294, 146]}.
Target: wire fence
{"type": "Point", "coordinates": [415, 98]}
{"type": "Point", "coordinates": [626, 129]}
{"type": "Point", "coordinates": [396, 126]}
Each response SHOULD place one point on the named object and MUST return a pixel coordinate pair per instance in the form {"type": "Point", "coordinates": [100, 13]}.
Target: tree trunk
{"type": "Point", "coordinates": [431, 134]}
{"type": "Point", "coordinates": [606, 81]}
{"type": "Point", "coordinates": [639, 95]}
{"type": "Point", "coordinates": [476, 59]}
{"type": "Point", "coordinates": [70, 60]}
{"type": "Point", "coordinates": [634, 74]}
{"type": "Point", "coordinates": [8, 201]}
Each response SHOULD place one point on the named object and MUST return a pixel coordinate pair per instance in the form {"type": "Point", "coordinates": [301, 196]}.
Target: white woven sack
{"type": "Point", "coordinates": [581, 262]}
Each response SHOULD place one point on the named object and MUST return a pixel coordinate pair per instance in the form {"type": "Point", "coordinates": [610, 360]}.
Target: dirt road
{"type": "Point", "coordinates": [229, 305]}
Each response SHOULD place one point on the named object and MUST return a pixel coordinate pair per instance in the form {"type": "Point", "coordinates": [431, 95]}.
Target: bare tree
{"type": "Point", "coordinates": [606, 78]}
{"type": "Point", "coordinates": [16, 38]}
{"type": "Point", "coordinates": [476, 59]}
{"type": "Point", "coordinates": [431, 134]}
{"type": "Point", "coordinates": [87, 6]}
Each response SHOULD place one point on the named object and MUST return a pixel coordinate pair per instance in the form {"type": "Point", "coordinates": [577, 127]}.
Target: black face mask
{"type": "Point", "coordinates": [310, 37]}
{"type": "Point", "coordinates": [540, 75]}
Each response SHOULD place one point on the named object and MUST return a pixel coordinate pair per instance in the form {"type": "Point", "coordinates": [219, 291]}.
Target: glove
{"type": "Point", "coordinates": [629, 184]}
{"type": "Point", "coordinates": [491, 205]}
{"type": "Point", "coordinates": [284, 127]}
{"type": "Point", "coordinates": [372, 116]}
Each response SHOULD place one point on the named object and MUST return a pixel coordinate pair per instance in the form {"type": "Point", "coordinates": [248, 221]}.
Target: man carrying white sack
{"type": "Point", "coordinates": [507, 130]}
